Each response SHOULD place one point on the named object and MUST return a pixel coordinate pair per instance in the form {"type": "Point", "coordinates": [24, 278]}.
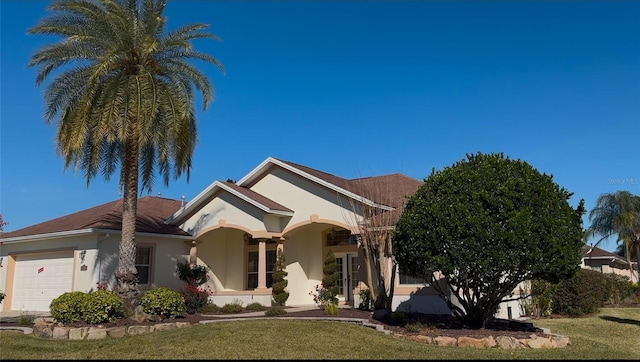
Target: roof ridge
{"type": "Point", "coordinates": [302, 167]}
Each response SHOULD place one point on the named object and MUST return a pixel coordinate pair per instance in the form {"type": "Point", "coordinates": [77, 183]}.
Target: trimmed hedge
{"type": "Point", "coordinates": [583, 294]}
{"type": "Point", "coordinates": [163, 301]}
{"type": "Point", "coordinates": [67, 307]}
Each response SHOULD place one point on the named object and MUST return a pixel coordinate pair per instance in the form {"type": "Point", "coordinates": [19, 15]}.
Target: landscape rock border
{"type": "Point", "coordinates": [47, 328]}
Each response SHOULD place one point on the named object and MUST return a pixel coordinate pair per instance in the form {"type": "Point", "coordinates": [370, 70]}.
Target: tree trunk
{"type": "Point", "coordinates": [637, 262]}
{"type": "Point", "coordinates": [127, 275]}
{"type": "Point", "coordinates": [367, 263]}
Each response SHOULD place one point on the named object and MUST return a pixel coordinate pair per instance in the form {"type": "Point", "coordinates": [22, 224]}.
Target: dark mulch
{"type": "Point", "coordinates": [412, 323]}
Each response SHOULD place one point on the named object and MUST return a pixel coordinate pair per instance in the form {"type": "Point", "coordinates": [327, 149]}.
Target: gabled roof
{"type": "Point", "coordinates": [590, 252]}
{"type": "Point", "coordinates": [151, 214]}
{"type": "Point", "coordinates": [263, 203]}
{"type": "Point", "coordinates": [386, 192]}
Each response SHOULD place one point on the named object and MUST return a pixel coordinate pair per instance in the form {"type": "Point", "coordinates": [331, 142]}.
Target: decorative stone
{"type": "Point", "coordinates": [78, 333]}
{"type": "Point", "coordinates": [470, 342]}
{"type": "Point", "coordinates": [561, 341]}
{"type": "Point", "coordinates": [163, 326]}
{"type": "Point", "coordinates": [97, 333]}
{"type": "Point", "coordinates": [183, 324]}
{"type": "Point", "coordinates": [43, 330]}
{"type": "Point", "coordinates": [133, 330]}
{"type": "Point", "coordinates": [538, 342]}
{"type": "Point", "coordinates": [508, 342]}
{"type": "Point", "coordinates": [60, 333]}
{"type": "Point", "coordinates": [445, 341]}
{"type": "Point", "coordinates": [117, 332]}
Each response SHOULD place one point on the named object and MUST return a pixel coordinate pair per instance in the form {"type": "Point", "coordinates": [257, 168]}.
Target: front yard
{"type": "Point", "coordinates": [612, 334]}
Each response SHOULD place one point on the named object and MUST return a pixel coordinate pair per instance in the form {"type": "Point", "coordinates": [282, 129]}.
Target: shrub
{"type": "Point", "coordinates": [67, 307]}
{"type": "Point", "coordinates": [163, 301]}
{"type": "Point", "coordinates": [331, 309]}
{"type": "Point", "coordinates": [397, 316]}
{"type": "Point", "coordinates": [255, 306]}
{"type": "Point", "coordinates": [210, 308]}
{"type": "Point", "coordinates": [417, 327]}
{"type": "Point", "coordinates": [275, 311]}
{"type": "Point", "coordinates": [621, 290]}
{"type": "Point", "coordinates": [195, 298]}
{"type": "Point", "coordinates": [102, 306]}
{"type": "Point", "coordinates": [583, 294]}
{"type": "Point", "coordinates": [192, 275]}
{"type": "Point", "coordinates": [231, 308]}
{"type": "Point", "coordinates": [330, 279]}
{"type": "Point", "coordinates": [26, 319]}
{"type": "Point", "coordinates": [279, 285]}
{"type": "Point", "coordinates": [365, 299]}
{"type": "Point", "coordinates": [542, 293]}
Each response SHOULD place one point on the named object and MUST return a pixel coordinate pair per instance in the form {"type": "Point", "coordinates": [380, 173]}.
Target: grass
{"type": "Point", "coordinates": [612, 334]}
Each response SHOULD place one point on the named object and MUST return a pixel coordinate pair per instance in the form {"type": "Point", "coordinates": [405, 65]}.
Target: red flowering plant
{"type": "Point", "coordinates": [324, 296]}
{"type": "Point", "coordinates": [101, 286]}
{"type": "Point", "coordinates": [195, 296]}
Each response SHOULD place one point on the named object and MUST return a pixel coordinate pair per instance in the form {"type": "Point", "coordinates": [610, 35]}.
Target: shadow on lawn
{"type": "Point", "coordinates": [620, 320]}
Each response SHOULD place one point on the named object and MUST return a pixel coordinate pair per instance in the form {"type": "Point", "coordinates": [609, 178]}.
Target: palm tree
{"type": "Point", "coordinates": [617, 214]}
{"type": "Point", "coordinates": [123, 96]}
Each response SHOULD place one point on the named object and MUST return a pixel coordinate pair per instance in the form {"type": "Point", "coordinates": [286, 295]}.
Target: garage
{"type": "Point", "coordinates": [39, 278]}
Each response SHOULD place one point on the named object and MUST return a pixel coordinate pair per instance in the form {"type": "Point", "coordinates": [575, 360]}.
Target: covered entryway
{"type": "Point", "coordinates": [40, 278]}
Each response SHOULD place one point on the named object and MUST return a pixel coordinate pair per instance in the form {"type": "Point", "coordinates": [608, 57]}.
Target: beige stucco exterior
{"type": "Point", "coordinates": [225, 226]}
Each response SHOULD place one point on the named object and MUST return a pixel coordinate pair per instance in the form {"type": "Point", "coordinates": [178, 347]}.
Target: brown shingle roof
{"type": "Point", "coordinates": [152, 212]}
{"type": "Point", "coordinates": [257, 197]}
{"type": "Point", "coordinates": [599, 253]}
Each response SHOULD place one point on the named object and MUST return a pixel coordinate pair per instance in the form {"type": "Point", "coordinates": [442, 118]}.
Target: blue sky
{"type": "Point", "coordinates": [360, 88]}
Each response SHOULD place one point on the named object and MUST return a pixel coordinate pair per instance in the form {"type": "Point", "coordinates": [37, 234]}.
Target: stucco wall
{"type": "Point", "coordinates": [166, 253]}
{"type": "Point", "coordinates": [303, 253]}
{"type": "Point", "coordinates": [226, 207]}
{"type": "Point", "coordinates": [222, 250]}
{"type": "Point", "coordinates": [304, 197]}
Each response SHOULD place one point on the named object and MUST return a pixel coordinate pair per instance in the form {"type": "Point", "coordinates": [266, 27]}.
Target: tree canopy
{"type": "Point", "coordinates": [617, 214]}
{"type": "Point", "coordinates": [478, 228]}
{"type": "Point", "coordinates": [122, 94]}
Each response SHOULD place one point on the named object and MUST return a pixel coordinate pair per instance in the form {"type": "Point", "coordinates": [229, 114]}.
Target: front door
{"type": "Point", "coordinates": [347, 275]}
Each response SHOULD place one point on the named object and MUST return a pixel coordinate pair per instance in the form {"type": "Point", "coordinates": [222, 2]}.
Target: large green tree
{"type": "Point", "coordinates": [477, 229]}
{"type": "Point", "coordinates": [617, 214]}
{"type": "Point", "coordinates": [122, 95]}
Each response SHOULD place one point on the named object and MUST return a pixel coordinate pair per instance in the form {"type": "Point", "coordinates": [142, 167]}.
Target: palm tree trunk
{"type": "Point", "coordinates": [126, 275]}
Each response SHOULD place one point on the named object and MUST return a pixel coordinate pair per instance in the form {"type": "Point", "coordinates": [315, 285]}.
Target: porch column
{"type": "Point", "coordinates": [262, 264]}
{"type": "Point", "coordinates": [193, 253]}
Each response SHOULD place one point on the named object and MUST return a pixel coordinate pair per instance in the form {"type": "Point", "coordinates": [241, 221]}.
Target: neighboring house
{"type": "Point", "coordinates": [233, 228]}
{"type": "Point", "coordinates": [607, 262]}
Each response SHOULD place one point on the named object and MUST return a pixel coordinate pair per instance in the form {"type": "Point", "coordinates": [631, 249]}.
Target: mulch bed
{"type": "Point", "coordinates": [430, 324]}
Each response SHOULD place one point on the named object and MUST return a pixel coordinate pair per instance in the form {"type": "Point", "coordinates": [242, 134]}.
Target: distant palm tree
{"type": "Point", "coordinates": [617, 214]}
{"type": "Point", "coordinates": [124, 97]}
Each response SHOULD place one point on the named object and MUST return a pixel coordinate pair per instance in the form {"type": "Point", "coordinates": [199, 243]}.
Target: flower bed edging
{"type": "Point", "coordinates": [47, 328]}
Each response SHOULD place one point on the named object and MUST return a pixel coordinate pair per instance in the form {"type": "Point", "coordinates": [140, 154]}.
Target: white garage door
{"type": "Point", "coordinates": [39, 278]}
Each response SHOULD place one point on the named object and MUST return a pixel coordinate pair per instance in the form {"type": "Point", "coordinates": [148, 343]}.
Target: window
{"type": "Point", "coordinates": [340, 237]}
{"type": "Point", "coordinates": [406, 279]}
{"type": "Point", "coordinates": [252, 268]}
{"type": "Point", "coordinates": [143, 264]}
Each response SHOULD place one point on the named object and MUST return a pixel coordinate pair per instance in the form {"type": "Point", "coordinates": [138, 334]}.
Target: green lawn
{"type": "Point", "coordinates": [613, 334]}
